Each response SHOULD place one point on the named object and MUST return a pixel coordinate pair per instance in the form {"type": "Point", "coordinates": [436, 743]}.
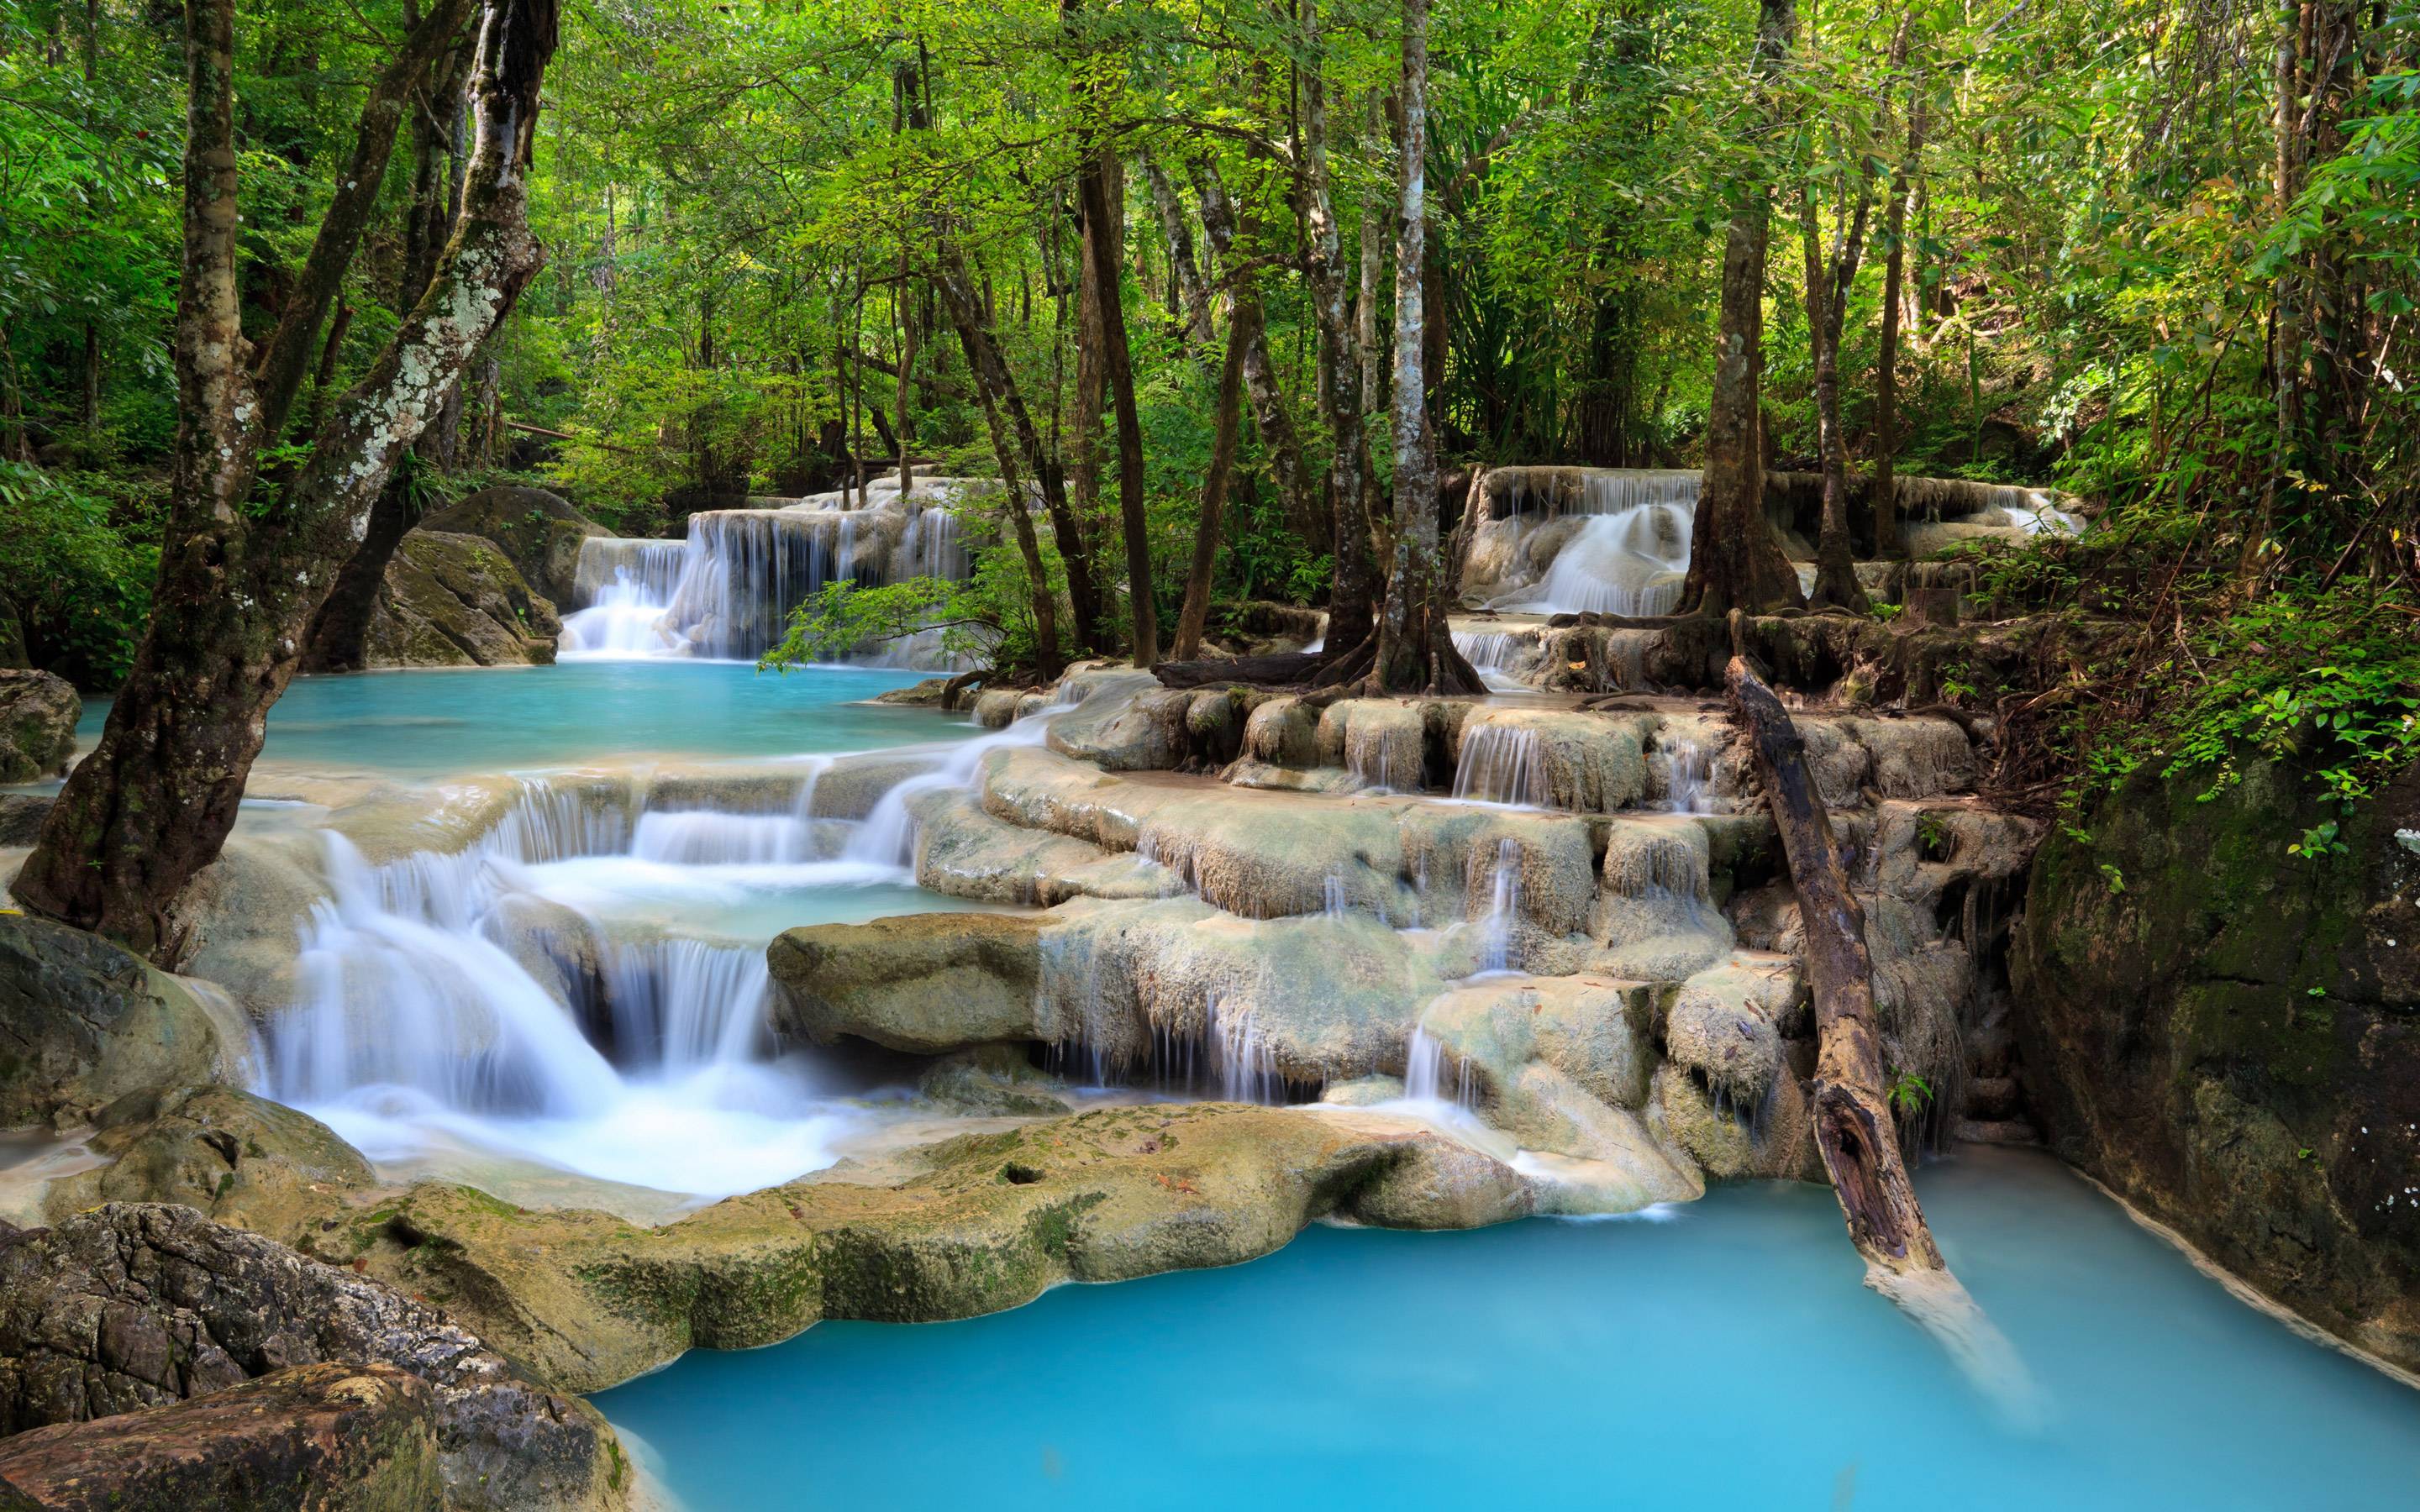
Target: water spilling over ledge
{"type": "Point", "coordinates": [725, 592]}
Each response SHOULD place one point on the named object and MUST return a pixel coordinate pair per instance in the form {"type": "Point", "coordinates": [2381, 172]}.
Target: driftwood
{"type": "Point", "coordinates": [1852, 1117]}
{"type": "Point", "coordinates": [1282, 668]}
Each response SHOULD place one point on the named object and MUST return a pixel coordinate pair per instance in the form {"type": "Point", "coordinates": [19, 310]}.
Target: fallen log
{"type": "Point", "coordinates": [1854, 1128]}
{"type": "Point", "coordinates": [1283, 669]}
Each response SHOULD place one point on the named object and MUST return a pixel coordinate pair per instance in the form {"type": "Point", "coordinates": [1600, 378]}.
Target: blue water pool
{"type": "Point", "coordinates": [1727, 1357]}
{"type": "Point", "coordinates": [433, 722]}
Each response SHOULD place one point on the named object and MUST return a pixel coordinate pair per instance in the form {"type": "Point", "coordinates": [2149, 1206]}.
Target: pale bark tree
{"type": "Point", "coordinates": [1415, 644]}
{"type": "Point", "coordinates": [248, 553]}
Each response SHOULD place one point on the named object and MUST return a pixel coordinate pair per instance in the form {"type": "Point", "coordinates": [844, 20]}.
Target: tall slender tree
{"type": "Point", "coordinates": [252, 544]}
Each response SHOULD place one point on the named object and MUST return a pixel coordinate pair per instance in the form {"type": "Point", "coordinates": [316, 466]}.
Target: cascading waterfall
{"type": "Point", "coordinates": [1424, 1072]}
{"type": "Point", "coordinates": [1632, 563]}
{"type": "Point", "coordinates": [1499, 947]}
{"type": "Point", "coordinates": [727, 590]}
{"type": "Point", "coordinates": [423, 1015]}
{"type": "Point", "coordinates": [1501, 763]}
{"type": "Point", "coordinates": [1248, 1065]}
{"type": "Point", "coordinates": [1688, 773]}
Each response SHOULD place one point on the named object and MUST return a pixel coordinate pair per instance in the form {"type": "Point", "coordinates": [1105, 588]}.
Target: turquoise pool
{"type": "Point", "coordinates": [1726, 1357]}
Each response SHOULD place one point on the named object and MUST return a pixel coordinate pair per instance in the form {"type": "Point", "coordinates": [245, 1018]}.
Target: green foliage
{"type": "Point", "coordinates": [1909, 1094]}
{"type": "Point", "coordinates": [77, 562]}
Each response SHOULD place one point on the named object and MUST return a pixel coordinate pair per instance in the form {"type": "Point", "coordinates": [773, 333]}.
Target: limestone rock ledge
{"type": "Point", "coordinates": [976, 1224]}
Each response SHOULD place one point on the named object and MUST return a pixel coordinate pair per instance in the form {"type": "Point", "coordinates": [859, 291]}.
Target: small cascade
{"type": "Point", "coordinates": [678, 1005]}
{"type": "Point", "coordinates": [1657, 860]}
{"type": "Point", "coordinates": [934, 547]}
{"type": "Point", "coordinates": [1336, 902]}
{"type": "Point", "coordinates": [1632, 563]}
{"type": "Point", "coordinates": [1500, 950]}
{"type": "Point", "coordinates": [1688, 774]}
{"type": "Point", "coordinates": [1495, 653]}
{"type": "Point", "coordinates": [1502, 763]}
{"type": "Point", "coordinates": [889, 835]}
{"type": "Point", "coordinates": [726, 591]}
{"type": "Point", "coordinates": [1424, 1072]}
{"type": "Point", "coordinates": [1248, 1066]}
{"type": "Point", "coordinates": [712, 837]}
{"type": "Point", "coordinates": [396, 990]}
{"type": "Point", "coordinates": [473, 997]}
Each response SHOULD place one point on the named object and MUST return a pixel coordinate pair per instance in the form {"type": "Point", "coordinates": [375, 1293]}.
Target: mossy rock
{"type": "Point", "coordinates": [2228, 1034]}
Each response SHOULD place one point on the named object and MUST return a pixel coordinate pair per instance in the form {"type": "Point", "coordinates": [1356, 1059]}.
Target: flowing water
{"type": "Point", "coordinates": [1728, 1357]}
{"type": "Point", "coordinates": [581, 992]}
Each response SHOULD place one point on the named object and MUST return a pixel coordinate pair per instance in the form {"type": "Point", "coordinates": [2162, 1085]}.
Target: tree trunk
{"type": "Point", "coordinates": [1272, 418]}
{"type": "Point", "coordinates": [1415, 644]}
{"type": "Point", "coordinates": [1836, 565]}
{"type": "Point", "coordinates": [1734, 562]}
{"type": "Point", "coordinates": [1104, 242]}
{"type": "Point", "coordinates": [1888, 542]}
{"type": "Point", "coordinates": [996, 390]}
{"type": "Point", "coordinates": [1353, 597]}
{"type": "Point", "coordinates": [1853, 1127]}
{"type": "Point", "coordinates": [237, 584]}
{"type": "Point", "coordinates": [1214, 487]}
{"type": "Point", "coordinates": [337, 639]}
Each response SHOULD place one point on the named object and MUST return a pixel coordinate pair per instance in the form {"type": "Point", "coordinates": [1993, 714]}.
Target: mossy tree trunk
{"type": "Point", "coordinates": [1734, 561]}
{"type": "Point", "coordinates": [248, 558]}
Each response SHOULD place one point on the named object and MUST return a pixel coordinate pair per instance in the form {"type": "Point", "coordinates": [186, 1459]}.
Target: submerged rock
{"type": "Point", "coordinates": [2228, 1034]}
{"type": "Point", "coordinates": [313, 1437]}
{"type": "Point", "coordinates": [135, 1305]}
{"type": "Point", "coordinates": [457, 601]}
{"type": "Point", "coordinates": [37, 719]}
{"type": "Point", "coordinates": [83, 1023]}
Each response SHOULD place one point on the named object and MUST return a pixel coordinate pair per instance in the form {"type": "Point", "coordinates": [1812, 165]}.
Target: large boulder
{"type": "Point", "coordinates": [923, 982]}
{"type": "Point", "coordinates": [540, 531]}
{"type": "Point", "coordinates": [317, 1437]}
{"type": "Point", "coordinates": [238, 1158]}
{"type": "Point", "coordinates": [451, 600]}
{"type": "Point", "coordinates": [82, 1024]}
{"type": "Point", "coordinates": [136, 1305]}
{"type": "Point", "coordinates": [37, 719]}
{"type": "Point", "coordinates": [2228, 1034]}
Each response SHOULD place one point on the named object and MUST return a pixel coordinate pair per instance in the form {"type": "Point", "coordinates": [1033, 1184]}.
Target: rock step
{"type": "Point", "coordinates": [1998, 1132]}
{"type": "Point", "coordinates": [1995, 1098]}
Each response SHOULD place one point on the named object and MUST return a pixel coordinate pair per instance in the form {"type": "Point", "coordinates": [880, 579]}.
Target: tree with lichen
{"type": "Point", "coordinates": [259, 525]}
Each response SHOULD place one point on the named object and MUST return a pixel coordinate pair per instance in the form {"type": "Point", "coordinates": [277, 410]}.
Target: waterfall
{"type": "Point", "coordinates": [934, 549]}
{"type": "Point", "coordinates": [1248, 1066]}
{"type": "Point", "coordinates": [889, 835]}
{"type": "Point", "coordinates": [1499, 949]}
{"type": "Point", "coordinates": [1494, 654]}
{"type": "Point", "coordinates": [468, 999]}
{"type": "Point", "coordinates": [1688, 771]}
{"type": "Point", "coordinates": [1630, 562]}
{"type": "Point", "coordinates": [1425, 1072]}
{"type": "Point", "coordinates": [1501, 763]}
{"type": "Point", "coordinates": [682, 1004]}
{"type": "Point", "coordinates": [726, 591]}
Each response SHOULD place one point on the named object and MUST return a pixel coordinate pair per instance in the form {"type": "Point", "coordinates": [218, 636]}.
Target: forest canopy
{"type": "Point", "coordinates": [2159, 253]}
